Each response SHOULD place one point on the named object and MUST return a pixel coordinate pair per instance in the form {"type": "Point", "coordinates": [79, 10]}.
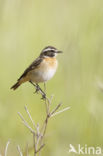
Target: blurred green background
{"type": "Point", "coordinates": [76, 27]}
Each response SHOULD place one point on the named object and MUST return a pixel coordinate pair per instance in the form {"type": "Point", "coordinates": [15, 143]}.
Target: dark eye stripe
{"type": "Point", "coordinates": [53, 51]}
{"type": "Point", "coordinates": [49, 53]}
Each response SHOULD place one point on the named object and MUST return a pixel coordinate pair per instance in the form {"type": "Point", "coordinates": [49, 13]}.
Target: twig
{"type": "Point", "coordinates": [37, 131]}
{"type": "Point", "coordinates": [55, 109]}
{"type": "Point", "coordinates": [40, 148]}
{"type": "Point", "coordinates": [35, 146]}
{"type": "Point", "coordinates": [30, 117]}
{"type": "Point", "coordinates": [25, 123]}
{"type": "Point", "coordinates": [7, 148]}
{"type": "Point", "coordinates": [19, 150]}
{"type": "Point", "coordinates": [51, 98]}
{"type": "Point", "coordinates": [46, 99]}
{"type": "Point", "coordinates": [65, 109]}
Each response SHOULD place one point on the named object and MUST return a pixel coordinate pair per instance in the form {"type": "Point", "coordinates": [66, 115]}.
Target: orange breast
{"type": "Point", "coordinates": [48, 63]}
{"type": "Point", "coordinates": [52, 62]}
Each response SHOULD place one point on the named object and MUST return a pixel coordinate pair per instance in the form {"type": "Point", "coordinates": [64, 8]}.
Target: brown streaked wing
{"type": "Point", "coordinates": [31, 67]}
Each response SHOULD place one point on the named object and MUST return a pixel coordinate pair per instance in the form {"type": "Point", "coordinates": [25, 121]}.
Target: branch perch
{"type": "Point", "coordinates": [37, 131]}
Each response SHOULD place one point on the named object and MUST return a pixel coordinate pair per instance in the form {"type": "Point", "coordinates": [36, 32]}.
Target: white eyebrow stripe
{"type": "Point", "coordinates": [48, 49]}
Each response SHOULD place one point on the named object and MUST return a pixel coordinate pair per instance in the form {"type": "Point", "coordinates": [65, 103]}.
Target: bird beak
{"type": "Point", "coordinates": [58, 51]}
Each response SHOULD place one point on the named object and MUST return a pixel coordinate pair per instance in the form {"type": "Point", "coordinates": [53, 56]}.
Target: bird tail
{"type": "Point", "coordinates": [15, 86]}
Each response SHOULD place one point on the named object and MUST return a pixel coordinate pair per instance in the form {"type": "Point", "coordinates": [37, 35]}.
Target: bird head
{"type": "Point", "coordinates": [50, 52]}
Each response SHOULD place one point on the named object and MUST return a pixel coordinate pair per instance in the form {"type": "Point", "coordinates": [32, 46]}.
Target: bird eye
{"type": "Point", "coordinates": [49, 53]}
{"type": "Point", "coordinates": [52, 51]}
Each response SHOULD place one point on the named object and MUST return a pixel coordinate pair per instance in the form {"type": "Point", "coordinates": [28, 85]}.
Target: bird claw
{"type": "Point", "coordinates": [43, 96]}
{"type": "Point", "coordinates": [37, 89]}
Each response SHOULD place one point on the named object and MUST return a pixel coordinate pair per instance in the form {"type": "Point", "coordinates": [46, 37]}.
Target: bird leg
{"type": "Point", "coordinates": [41, 91]}
{"type": "Point", "coordinates": [38, 89]}
{"type": "Point", "coordinates": [34, 86]}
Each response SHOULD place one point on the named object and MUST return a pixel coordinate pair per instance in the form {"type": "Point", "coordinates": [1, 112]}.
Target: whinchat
{"type": "Point", "coordinates": [42, 69]}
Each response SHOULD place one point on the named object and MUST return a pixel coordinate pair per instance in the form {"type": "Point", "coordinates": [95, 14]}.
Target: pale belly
{"type": "Point", "coordinates": [38, 76]}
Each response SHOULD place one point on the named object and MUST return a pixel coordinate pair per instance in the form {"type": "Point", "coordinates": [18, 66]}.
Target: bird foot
{"type": "Point", "coordinates": [37, 89]}
{"type": "Point", "coordinates": [43, 96]}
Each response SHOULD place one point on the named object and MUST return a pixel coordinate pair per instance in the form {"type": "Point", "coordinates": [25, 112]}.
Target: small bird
{"type": "Point", "coordinates": [41, 70]}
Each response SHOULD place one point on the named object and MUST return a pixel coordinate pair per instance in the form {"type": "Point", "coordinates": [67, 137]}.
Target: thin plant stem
{"type": "Point", "coordinates": [38, 131]}
{"type": "Point", "coordinates": [19, 150]}
{"type": "Point", "coordinates": [7, 148]}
